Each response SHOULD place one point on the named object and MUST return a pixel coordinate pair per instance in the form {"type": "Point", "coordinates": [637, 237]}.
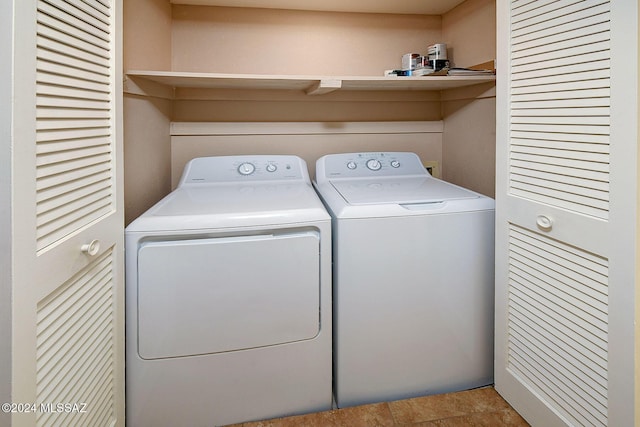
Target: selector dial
{"type": "Point", "coordinates": [271, 167]}
{"type": "Point", "coordinates": [352, 165]}
{"type": "Point", "coordinates": [246, 168]}
{"type": "Point", "coordinates": [395, 164]}
{"type": "Point", "coordinates": [374, 164]}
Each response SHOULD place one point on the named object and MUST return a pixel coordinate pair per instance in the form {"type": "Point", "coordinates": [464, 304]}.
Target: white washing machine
{"type": "Point", "coordinates": [413, 279]}
{"type": "Point", "coordinates": [228, 297]}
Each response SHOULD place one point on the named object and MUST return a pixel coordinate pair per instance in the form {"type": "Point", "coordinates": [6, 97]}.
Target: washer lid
{"type": "Point", "coordinates": [400, 191]}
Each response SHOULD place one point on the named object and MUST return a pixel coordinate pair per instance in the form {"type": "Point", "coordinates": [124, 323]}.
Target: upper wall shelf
{"type": "Point", "coordinates": [311, 85]}
{"type": "Point", "coordinates": [420, 7]}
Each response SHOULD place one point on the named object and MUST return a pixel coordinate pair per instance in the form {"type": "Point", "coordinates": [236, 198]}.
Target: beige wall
{"type": "Point", "coordinates": [469, 148]}
{"type": "Point", "coordinates": [267, 41]}
{"type": "Point", "coordinates": [469, 115]}
{"type": "Point", "coordinates": [278, 106]}
{"type": "Point", "coordinates": [469, 30]}
{"type": "Point", "coordinates": [147, 143]}
{"type": "Point", "coordinates": [147, 153]}
{"type": "Point", "coordinates": [147, 35]}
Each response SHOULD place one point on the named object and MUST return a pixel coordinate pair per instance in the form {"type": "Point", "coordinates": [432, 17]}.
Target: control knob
{"type": "Point", "coordinates": [374, 164]}
{"type": "Point", "coordinates": [246, 168]}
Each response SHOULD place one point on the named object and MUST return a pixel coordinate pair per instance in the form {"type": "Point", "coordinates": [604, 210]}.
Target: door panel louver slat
{"type": "Point", "coordinates": [589, 199]}
{"type": "Point", "coordinates": [72, 144]}
{"type": "Point", "coordinates": [559, 87]}
{"type": "Point", "coordinates": [68, 187]}
{"type": "Point", "coordinates": [100, 13]}
{"type": "Point", "coordinates": [70, 166]}
{"type": "Point", "coordinates": [546, 314]}
{"type": "Point", "coordinates": [66, 70]}
{"type": "Point", "coordinates": [71, 189]}
{"type": "Point", "coordinates": [554, 360]}
{"type": "Point", "coordinates": [50, 58]}
{"type": "Point", "coordinates": [562, 181]}
{"type": "Point", "coordinates": [555, 389]}
{"type": "Point", "coordinates": [574, 52]}
{"type": "Point", "coordinates": [54, 182]}
{"type": "Point", "coordinates": [69, 200]}
{"type": "Point", "coordinates": [570, 12]}
{"type": "Point", "coordinates": [555, 106]}
{"type": "Point", "coordinates": [74, 91]}
{"type": "Point", "coordinates": [561, 145]}
{"type": "Point", "coordinates": [535, 9]}
{"type": "Point", "coordinates": [595, 25]}
{"type": "Point", "coordinates": [584, 398]}
{"type": "Point", "coordinates": [520, 167]}
{"type": "Point", "coordinates": [538, 183]}
{"type": "Point", "coordinates": [583, 369]}
{"type": "Point", "coordinates": [558, 323]}
{"type": "Point", "coordinates": [568, 163]}
{"type": "Point", "coordinates": [73, 82]}
{"type": "Point", "coordinates": [570, 66]}
{"type": "Point", "coordinates": [44, 113]}
{"type": "Point", "coordinates": [71, 92]}
{"type": "Point", "coordinates": [71, 103]}
{"type": "Point", "coordinates": [74, 355]}
{"type": "Point", "coordinates": [560, 203]}
{"type": "Point", "coordinates": [573, 301]}
{"type": "Point", "coordinates": [541, 81]}
{"type": "Point", "coordinates": [570, 94]}
{"type": "Point", "coordinates": [575, 137]}
{"type": "Point", "coordinates": [555, 120]}
{"type": "Point", "coordinates": [72, 52]}
{"type": "Point", "coordinates": [62, 123]}
{"type": "Point", "coordinates": [552, 104]}
{"type": "Point", "coordinates": [49, 132]}
{"type": "Point", "coordinates": [76, 18]}
{"type": "Point", "coordinates": [54, 29]}
{"type": "Point", "coordinates": [50, 219]}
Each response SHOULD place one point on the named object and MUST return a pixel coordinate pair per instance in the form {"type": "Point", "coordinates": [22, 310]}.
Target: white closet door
{"type": "Point", "coordinates": [67, 342]}
{"type": "Point", "coordinates": [563, 325]}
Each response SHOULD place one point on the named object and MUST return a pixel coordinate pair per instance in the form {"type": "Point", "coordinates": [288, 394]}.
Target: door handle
{"type": "Point", "coordinates": [544, 223]}
{"type": "Point", "coordinates": [91, 248]}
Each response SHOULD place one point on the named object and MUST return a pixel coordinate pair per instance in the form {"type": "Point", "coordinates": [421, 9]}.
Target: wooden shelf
{"type": "Point", "coordinates": [311, 85]}
{"type": "Point", "coordinates": [431, 7]}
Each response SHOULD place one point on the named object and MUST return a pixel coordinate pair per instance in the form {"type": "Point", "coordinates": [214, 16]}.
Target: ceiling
{"type": "Point", "coordinates": [421, 7]}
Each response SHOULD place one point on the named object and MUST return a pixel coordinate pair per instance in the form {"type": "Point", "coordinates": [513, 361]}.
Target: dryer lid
{"type": "Point", "coordinates": [236, 199]}
{"type": "Point", "coordinates": [228, 205]}
{"type": "Point", "coordinates": [400, 191]}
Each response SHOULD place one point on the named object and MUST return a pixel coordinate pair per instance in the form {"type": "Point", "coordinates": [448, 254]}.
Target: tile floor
{"type": "Point", "coordinates": [482, 407]}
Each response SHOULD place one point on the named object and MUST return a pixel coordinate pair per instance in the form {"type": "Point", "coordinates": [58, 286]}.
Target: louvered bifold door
{"type": "Point", "coordinates": [553, 209]}
{"type": "Point", "coordinates": [70, 309]}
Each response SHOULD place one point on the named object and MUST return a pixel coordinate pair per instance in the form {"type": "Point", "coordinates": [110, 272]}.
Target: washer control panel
{"type": "Point", "coordinates": [375, 164]}
{"type": "Point", "coordinates": [244, 168]}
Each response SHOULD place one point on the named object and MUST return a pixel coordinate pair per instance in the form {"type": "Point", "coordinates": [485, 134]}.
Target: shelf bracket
{"type": "Point", "coordinates": [143, 87]}
{"type": "Point", "coordinates": [323, 86]}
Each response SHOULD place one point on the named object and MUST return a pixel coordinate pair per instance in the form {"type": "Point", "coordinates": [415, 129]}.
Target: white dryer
{"type": "Point", "coordinates": [413, 279]}
{"type": "Point", "coordinates": [228, 297]}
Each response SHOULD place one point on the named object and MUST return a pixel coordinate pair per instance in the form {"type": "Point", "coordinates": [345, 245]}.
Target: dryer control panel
{"type": "Point", "coordinates": [375, 164]}
{"type": "Point", "coordinates": [244, 168]}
